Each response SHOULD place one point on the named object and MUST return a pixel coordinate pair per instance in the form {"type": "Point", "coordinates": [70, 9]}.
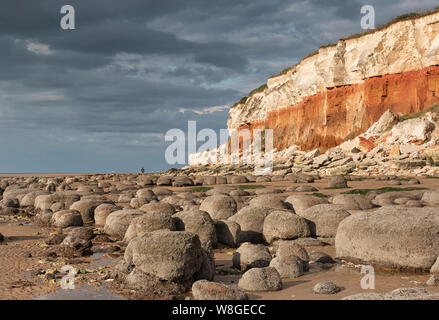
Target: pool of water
{"type": "Point", "coordinates": [85, 292]}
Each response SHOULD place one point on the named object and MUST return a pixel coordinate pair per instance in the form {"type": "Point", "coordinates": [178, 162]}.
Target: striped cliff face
{"type": "Point", "coordinates": [340, 92]}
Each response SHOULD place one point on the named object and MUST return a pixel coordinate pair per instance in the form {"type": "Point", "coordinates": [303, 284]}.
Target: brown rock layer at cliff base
{"type": "Point", "coordinates": [341, 113]}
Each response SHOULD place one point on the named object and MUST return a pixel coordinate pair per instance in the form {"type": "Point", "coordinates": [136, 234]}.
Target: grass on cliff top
{"type": "Point", "coordinates": [381, 190]}
{"type": "Point", "coordinates": [244, 99]}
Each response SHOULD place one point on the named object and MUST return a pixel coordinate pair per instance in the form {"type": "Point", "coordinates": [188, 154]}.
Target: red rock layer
{"type": "Point", "coordinates": [328, 118]}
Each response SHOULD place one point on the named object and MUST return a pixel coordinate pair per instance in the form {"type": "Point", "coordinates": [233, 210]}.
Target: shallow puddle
{"type": "Point", "coordinates": [85, 292]}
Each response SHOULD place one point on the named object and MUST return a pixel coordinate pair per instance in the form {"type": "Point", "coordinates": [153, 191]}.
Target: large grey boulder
{"type": "Point", "coordinates": [146, 193]}
{"type": "Point", "coordinates": [149, 222]}
{"type": "Point", "coordinates": [228, 232]}
{"type": "Point", "coordinates": [431, 197]}
{"type": "Point", "coordinates": [288, 267]}
{"type": "Point", "coordinates": [325, 219]}
{"type": "Point", "coordinates": [289, 248]}
{"type": "Point", "coordinates": [174, 256]}
{"type": "Point", "coordinates": [66, 218]}
{"type": "Point", "coordinates": [282, 224]}
{"type": "Point", "coordinates": [199, 223]}
{"type": "Point", "coordinates": [261, 279]}
{"type": "Point", "coordinates": [337, 182]}
{"type": "Point", "coordinates": [219, 207]}
{"type": "Point", "coordinates": [118, 222]}
{"type": "Point", "coordinates": [353, 201]}
{"type": "Point", "coordinates": [182, 181]}
{"type": "Point", "coordinates": [29, 199]}
{"type": "Point", "coordinates": [391, 236]}
{"type": "Point", "coordinates": [102, 212]}
{"type": "Point", "coordinates": [301, 202]}
{"type": "Point", "coordinates": [164, 181]}
{"type": "Point", "coordinates": [251, 220]}
{"type": "Point", "coordinates": [158, 207]}
{"type": "Point", "coordinates": [207, 290]}
{"type": "Point", "coordinates": [87, 207]}
{"type": "Point", "coordinates": [251, 256]}
{"type": "Point", "coordinates": [326, 288]}
{"type": "Point", "coordinates": [268, 201]}
{"type": "Point", "coordinates": [388, 198]}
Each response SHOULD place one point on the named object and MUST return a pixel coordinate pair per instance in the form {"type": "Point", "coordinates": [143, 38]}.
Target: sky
{"type": "Point", "coordinates": [101, 98]}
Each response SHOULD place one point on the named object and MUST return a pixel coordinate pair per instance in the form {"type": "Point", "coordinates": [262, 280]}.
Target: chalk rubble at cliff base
{"type": "Point", "coordinates": [392, 145]}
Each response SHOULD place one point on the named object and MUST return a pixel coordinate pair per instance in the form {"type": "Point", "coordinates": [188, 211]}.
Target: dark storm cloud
{"type": "Point", "coordinates": [101, 97]}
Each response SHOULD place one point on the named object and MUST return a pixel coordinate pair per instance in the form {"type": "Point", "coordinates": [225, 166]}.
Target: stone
{"type": "Point", "coordinates": [29, 199]}
{"type": "Point", "coordinates": [164, 181]}
{"type": "Point", "coordinates": [387, 119]}
{"type": "Point", "coordinates": [174, 256]}
{"type": "Point", "coordinates": [239, 179]}
{"type": "Point", "coordinates": [66, 218]}
{"type": "Point", "coordinates": [435, 267]}
{"type": "Point", "coordinates": [149, 222]}
{"type": "Point", "coordinates": [388, 198]}
{"type": "Point", "coordinates": [353, 201]}
{"type": "Point", "coordinates": [392, 236]}
{"type": "Point", "coordinates": [102, 212]}
{"type": "Point", "coordinates": [182, 181]}
{"type": "Point", "coordinates": [320, 257]}
{"type": "Point", "coordinates": [301, 202]}
{"type": "Point", "coordinates": [306, 189]}
{"type": "Point", "coordinates": [199, 223]}
{"type": "Point", "coordinates": [162, 192]}
{"type": "Point", "coordinates": [136, 203]}
{"type": "Point", "coordinates": [146, 193]}
{"type": "Point", "coordinates": [261, 279]}
{"type": "Point", "coordinates": [251, 256]}
{"type": "Point", "coordinates": [267, 201]}
{"type": "Point", "coordinates": [431, 197]}
{"type": "Point", "coordinates": [433, 281]}
{"type": "Point", "coordinates": [325, 219]}
{"type": "Point", "coordinates": [118, 222]}
{"type": "Point", "coordinates": [158, 207]}
{"type": "Point", "coordinates": [326, 288]}
{"type": "Point", "coordinates": [207, 290]}
{"type": "Point", "coordinates": [251, 220]}
{"type": "Point", "coordinates": [337, 182]}
{"type": "Point", "coordinates": [2, 238]}
{"type": "Point", "coordinates": [288, 267]}
{"type": "Point", "coordinates": [219, 207]}
{"type": "Point", "coordinates": [228, 232]}
{"type": "Point", "coordinates": [44, 218]}
{"type": "Point", "coordinates": [285, 225]}
{"type": "Point", "coordinates": [87, 208]}
{"type": "Point", "coordinates": [412, 129]}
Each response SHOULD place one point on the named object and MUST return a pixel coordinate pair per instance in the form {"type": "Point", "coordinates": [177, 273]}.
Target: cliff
{"type": "Point", "coordinates": [339, 92]}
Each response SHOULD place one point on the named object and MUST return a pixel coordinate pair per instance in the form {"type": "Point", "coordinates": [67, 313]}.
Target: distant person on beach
{"type": "Point", "coordinates": [142, 170]}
